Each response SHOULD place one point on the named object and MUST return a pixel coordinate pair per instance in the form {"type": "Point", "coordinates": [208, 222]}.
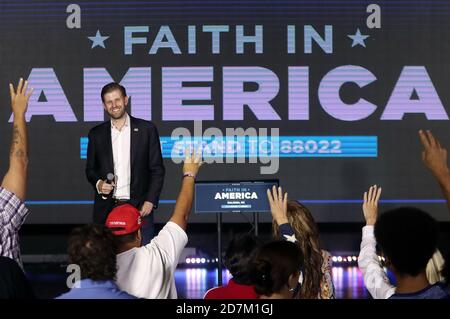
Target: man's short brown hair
{"type": "Point", "coordinates": [112, 87]}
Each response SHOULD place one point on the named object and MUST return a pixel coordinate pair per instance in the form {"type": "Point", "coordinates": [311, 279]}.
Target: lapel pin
{"type": "Point", "coordinates": [136, 129]}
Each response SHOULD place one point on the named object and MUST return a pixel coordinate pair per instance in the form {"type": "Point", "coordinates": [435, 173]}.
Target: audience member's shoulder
{"type": "Point", "coordinates": [170, 231]}
{"type": "Point", "coordinates": [124, 295]}
{"type": "Point", "coordinates": [327, 260]}
{"type": "Point", "coordinates": [66, 295]}
{"type": "Point", "coordinates": [174, 230]}
{"type": "Point", "coordinates": [446, 289]}
{"type": "Point", "coordinates": [326, 256]}
{"type": "Point", "coordinates": [174, 227]}
{"type": "Point", "coordinates": [212, 293]}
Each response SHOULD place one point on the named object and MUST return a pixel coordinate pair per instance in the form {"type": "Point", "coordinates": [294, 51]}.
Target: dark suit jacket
{"type": "Point", "coordinates": [147, 169]}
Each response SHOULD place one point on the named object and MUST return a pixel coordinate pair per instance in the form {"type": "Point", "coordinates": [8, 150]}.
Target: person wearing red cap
{"type": "Point", "coordinates": [148, 271]}
{"type": "Point", "coordinates": [125, 218]}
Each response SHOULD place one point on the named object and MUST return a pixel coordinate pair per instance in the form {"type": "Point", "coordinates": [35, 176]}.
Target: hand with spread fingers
{"type": "Point", "coordinates": [278, 205]}
{"type": "Point", "coordinates": [434, 155]}
{"type": "Point", "coordinates": [20, 97]}
{"type": "Point", "coordinates": [370, 205]}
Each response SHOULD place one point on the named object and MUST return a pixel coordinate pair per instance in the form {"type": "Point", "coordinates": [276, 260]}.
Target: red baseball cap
{"type": "Point", "coordinates": [124, 219]}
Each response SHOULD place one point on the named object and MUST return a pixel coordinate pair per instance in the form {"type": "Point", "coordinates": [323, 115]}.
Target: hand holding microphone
{"type": "Point", "coordinates": [107, 186]}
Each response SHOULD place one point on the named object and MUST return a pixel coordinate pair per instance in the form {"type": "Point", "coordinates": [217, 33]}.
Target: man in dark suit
{"type": "Point", "coordinates": [130, 149]}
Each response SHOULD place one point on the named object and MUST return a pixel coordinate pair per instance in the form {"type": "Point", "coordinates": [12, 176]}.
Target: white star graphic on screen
{"type": "Point", "coordinates": [358, 38]}
{"type": "Point", "coordinates": [291, 238]}
{"type": "Point", "coordinates": [98, 40]}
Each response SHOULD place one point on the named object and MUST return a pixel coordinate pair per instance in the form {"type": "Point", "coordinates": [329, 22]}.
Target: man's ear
{"type": "Point", "coordinates": [139, 235]}
{"type": "Point", "coordinates": [293, 279]}
{"type": "Point", "coordinates": [386, 262]}
{"type": "Point", "coordinates": [126, 100]}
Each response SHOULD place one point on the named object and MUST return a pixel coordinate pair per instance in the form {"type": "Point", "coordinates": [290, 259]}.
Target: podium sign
{"type": "Point", "coordinates": [233, 197]}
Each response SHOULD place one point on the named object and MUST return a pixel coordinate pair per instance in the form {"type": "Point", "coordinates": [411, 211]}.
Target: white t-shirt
{"type": "Point", "coordinates": [148, 271]}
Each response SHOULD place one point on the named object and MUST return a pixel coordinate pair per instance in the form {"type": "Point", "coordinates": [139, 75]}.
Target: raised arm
{"type": "Point", "coordinates": [375, 278]}
{"type": "Point", "coordinates": [435, 158]}
{"type": "Point", "coordinates": [278, 209]}
{"type": "Point", "coordinates": [16, 177]}
{"type": "Point", "coordinates": [278, 205]}
{"type": "Point", "coordinates": [192, 163]}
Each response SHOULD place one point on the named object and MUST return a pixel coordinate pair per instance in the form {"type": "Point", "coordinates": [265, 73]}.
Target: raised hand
{"type": "Point", "coordinates": [192, 162]}
{"type": "Point", "coordinates": [278, 205]}
{"type": "Point", "coordinates": [370, 205]}
{"type": "Point", "coordinates": [20, 97]}
{"type": "Point", "coordinates": [435, 158]}
{"type": "Point", "coordinates": [183, 205]}
{"type": "Point", "coordinates": [434, 155]}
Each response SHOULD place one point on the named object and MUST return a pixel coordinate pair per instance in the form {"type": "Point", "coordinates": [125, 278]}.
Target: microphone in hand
{"type": "Point", "coordinates": [109, 180]}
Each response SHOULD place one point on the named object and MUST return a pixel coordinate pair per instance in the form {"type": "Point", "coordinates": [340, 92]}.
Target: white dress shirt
{"type": "Point", "coordinates": [121, 140]}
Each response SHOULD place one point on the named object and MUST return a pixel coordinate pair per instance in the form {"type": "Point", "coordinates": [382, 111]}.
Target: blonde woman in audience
{"type": "Point", "coordinates": [294, 222]}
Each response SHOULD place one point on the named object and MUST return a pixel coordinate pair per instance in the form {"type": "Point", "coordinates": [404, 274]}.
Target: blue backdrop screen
{"type": "Point", "coordinates": [334, 90]}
